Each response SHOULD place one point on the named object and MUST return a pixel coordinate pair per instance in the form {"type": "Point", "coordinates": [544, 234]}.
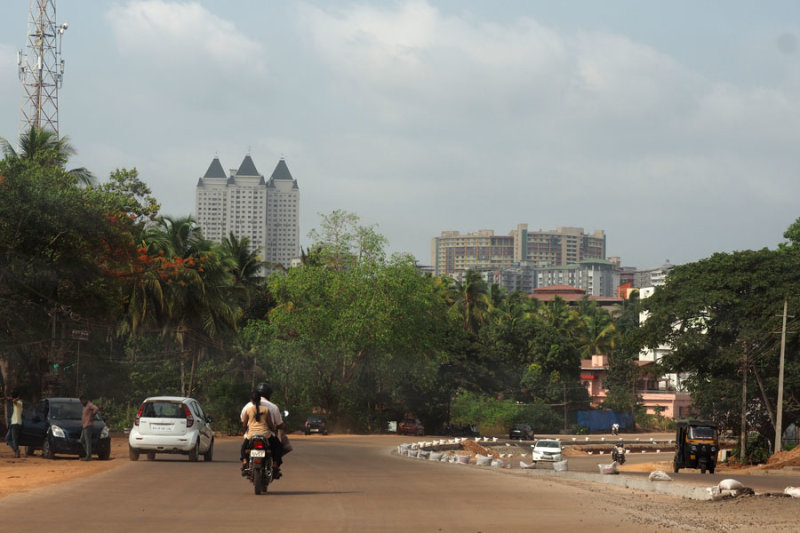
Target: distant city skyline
{"type": "Point", "coordinates": [671, 126]}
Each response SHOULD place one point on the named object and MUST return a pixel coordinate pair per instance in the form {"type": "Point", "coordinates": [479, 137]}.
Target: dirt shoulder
{"type": "Point", "coordinates": [27, 472]}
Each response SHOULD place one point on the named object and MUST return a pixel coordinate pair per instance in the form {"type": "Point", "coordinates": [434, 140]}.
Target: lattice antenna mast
{"type": "Point", "coordinates": [41, 68]}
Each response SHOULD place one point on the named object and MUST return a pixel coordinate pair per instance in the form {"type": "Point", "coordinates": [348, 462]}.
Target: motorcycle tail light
{"type": "Point", "coordinates": [258, 445]}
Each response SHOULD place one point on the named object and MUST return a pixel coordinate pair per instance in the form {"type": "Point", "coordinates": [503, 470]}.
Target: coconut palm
{"type": "Point", "coordinates": [46, 148]}
{"type": "Point", "coordinates": [470, 299]}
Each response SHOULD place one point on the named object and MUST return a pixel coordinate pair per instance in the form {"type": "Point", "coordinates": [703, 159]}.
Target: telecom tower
{"type": "Point", "coordinates": [41, 68]}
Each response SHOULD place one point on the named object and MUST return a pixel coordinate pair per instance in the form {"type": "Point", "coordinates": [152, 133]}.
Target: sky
{"type": "Point", "coordinates": [672, 126]}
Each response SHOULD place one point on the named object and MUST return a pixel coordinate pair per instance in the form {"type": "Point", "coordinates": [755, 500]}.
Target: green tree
{"type": "Point", "coordinates": [46, 149]}
{"type": "Point", "coordinates": [720, 316]}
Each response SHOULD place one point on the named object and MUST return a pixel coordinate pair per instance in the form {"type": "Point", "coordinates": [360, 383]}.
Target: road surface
{"type": "Point", "coordinates": [354, 483]}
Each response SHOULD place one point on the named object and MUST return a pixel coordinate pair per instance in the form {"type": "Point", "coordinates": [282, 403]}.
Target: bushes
{"type": "Point", "coordinates": [757, 449]}
{"type": "Point", "coordinates": [494, 416]}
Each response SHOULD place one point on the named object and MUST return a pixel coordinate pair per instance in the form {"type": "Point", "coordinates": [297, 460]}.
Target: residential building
{"type": "Point", "coordinates": [564, 246]}
{"type": "Point", "coordinates": [483, 250]}
{"type": "Point", "coordinates": [670, 403]}
{"type": "Point", "coordinates": [595, 277]}
{"type": "Point", "coordinates": [651, 277]}
{"type": "Point", "coordinates": [246, 204]}
{"type": "Point", "coordinates": [452, 252]}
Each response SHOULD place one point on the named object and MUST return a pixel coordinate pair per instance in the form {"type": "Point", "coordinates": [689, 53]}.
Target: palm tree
{"type": "Point", "coordinates": [193, 296]}
{"type": "Point", "coordinates": [248, 268]}
{"type": "Point", "coordinates": [470, 298]}
{"type": "Point", "coordinates": [46, 148]}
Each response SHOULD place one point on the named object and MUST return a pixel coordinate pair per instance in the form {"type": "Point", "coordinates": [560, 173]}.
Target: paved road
{"type": "Point", "coordinates": [333, 483]}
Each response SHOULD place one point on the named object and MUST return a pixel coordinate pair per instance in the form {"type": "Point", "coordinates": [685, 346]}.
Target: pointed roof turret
{"type": "Point", "coordinates": [281, 171]}
{"type": "Point", "coordinates": [215, 170]}
{"type": "Point", "coordinates": [247, 168]}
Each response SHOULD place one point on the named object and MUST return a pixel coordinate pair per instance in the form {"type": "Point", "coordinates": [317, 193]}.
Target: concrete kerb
{"type": "Point", "coordinates": [671, 488]}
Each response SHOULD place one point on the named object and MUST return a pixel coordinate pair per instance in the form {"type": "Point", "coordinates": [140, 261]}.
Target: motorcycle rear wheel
{"type": "Point", "coordinates": [258, 482]}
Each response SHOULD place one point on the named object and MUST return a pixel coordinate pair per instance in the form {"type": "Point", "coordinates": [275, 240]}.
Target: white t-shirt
{"type": "Point", "coordinates": [274, 413]}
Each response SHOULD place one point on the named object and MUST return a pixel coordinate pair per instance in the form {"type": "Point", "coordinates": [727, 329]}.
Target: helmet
{"type": "Point", "coordinates": [264, 389]}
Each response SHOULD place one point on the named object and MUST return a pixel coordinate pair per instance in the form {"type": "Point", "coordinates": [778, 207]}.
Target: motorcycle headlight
{"type": "Point", "coordinates": [104, 432]}
{"type": "Point", "coordinates": [58, 432]}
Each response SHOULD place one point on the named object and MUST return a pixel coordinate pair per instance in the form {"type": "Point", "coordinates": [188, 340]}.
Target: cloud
{"type": "Point", "coordinates": [535, 119]}
{"type": "Point", "coordinates": [171, 35]}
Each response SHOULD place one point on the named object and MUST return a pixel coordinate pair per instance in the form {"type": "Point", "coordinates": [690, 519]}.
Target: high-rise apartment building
{"type": "Point", "coordinates": [452, 252]}
{"type": "Point", "coordinates": [242, 202]}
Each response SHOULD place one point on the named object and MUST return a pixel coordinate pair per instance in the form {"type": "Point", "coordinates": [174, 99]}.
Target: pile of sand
{"type": "Point", "coordinates": [474, 448]}
{"type": "Point", "coordinates": [782, 459]}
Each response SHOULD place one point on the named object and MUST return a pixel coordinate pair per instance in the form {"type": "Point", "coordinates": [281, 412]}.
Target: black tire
{"type": "Point", "coordinates": [675, 467]}
{"type": "Point", "coordinates": [47, 449]}
{"type": "Point", "coordinates": [195, 453]}
{"type": "Point", "coordinates": [702, 468]}
{"type": "Point", "coordinates": [133, 453]}
{"type": "Point", "coordinates": [104, 454]}
{"type": "Point", "coordinates": [209, 455]}
{"type": "Point", "coordinates": [711, 469]}
{"type": "Point", "coordinates": [151, 456]}
{"type": "Point", "coordinates": [258, 481]}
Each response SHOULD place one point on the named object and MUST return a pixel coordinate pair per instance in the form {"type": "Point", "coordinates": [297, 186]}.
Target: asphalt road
{"type": "Point", "coordinates": [333, 483]}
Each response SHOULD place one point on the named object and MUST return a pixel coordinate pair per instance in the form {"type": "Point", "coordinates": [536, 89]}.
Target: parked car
{"type": "Point", "coordinates": [171, 424]}
{"type": "Point", "coordinates": [547, 450]}
{"type": "Point", "coordinates": [53, 425]}
{"type": "Point", "coordinates": [521, 432]}
{"type": "Point", "coordinates": [410, 426]}
{"type": "Point", "coordinates": [316, 424]}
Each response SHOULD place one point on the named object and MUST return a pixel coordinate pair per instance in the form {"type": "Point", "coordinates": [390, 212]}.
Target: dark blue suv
{"type": "Point", "coordinates": [54, 426]}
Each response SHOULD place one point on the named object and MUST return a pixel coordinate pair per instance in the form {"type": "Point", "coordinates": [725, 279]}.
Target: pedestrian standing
{"type": "Point", "coordinates": [87, 421]}
{"type": "Point", "coordinates": [16, 422]}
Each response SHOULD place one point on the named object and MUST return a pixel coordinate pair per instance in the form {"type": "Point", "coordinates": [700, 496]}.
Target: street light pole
{"type": "Point", "coordinates": [779, 408]}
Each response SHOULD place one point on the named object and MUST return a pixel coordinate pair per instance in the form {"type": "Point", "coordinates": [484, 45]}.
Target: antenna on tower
{"type": "Point", "coordinates": [41, 68]}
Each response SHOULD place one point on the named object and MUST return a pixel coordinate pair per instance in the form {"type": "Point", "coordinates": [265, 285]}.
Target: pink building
{"type": "Point", "coordinates": [672, 404]}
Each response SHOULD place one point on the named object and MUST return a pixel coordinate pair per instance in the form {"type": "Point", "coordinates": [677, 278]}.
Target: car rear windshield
{"type": "Point", "coordinates": [65, 411]}
{"type": "Point", "coordinates": [163, 409]}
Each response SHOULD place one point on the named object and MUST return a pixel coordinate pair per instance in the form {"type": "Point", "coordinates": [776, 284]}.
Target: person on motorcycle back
{"type": "Point", "coordinates": [274, 422]}
{"type": "Point", "coordinates": [619, 451]}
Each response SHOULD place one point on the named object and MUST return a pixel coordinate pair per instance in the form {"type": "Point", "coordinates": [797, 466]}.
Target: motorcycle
{"type": "Point", "coordinates": [259, 464]}
{"type": "Point", "coordinates": [618, 455]}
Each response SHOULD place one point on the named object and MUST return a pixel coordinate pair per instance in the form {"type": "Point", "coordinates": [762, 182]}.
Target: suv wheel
{"type": "Point", "coordinates": [104, 454]}
{"type": "Point", "coordinates": [209, 455]}
{"type": "Point", "coordinates": [133, 453]}
{"type": "Point", "coordinates": [47, 449]}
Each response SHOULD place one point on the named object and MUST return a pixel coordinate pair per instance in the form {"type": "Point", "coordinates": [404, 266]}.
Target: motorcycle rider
{"type": "Point", "coordinates": [274, 423]}
{"type": "Point", "coordinates": [256, 421]}
{"type": "Point", "coordinates": [619, 452]}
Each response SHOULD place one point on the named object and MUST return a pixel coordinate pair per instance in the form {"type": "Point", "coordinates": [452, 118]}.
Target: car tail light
{"type": "Point", "coordinates": [138, 415]}
{"type": "Point", "coordinates": [258, 444]}
{"type": "Point", "coordinates": [189, 417]}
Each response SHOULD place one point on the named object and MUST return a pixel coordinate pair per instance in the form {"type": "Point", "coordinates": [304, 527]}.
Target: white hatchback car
{"type": "Point", "coordinates": [171, 424]}
{"type": "Point", "coordinates": [547, 450]}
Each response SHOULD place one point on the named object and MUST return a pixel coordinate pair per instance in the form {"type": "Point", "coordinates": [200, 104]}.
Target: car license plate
{"type": "Point", "coordinates": [161, 427]}
{"type": "Point", "coordinates": [257, 453]}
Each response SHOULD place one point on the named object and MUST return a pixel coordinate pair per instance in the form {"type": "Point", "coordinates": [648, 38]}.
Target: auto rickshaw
{"type": "Point", "coordinates": [696, 446]}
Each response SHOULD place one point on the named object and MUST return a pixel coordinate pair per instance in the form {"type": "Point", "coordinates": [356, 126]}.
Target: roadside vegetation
{"type": "Point", "coordinates": [102, 294]}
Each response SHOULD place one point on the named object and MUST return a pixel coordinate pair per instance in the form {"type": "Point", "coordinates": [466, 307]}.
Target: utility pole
{"type": "Point", "coordinates": [41, 68]}
{"type": "Point", "coordinates": [779, 408]}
